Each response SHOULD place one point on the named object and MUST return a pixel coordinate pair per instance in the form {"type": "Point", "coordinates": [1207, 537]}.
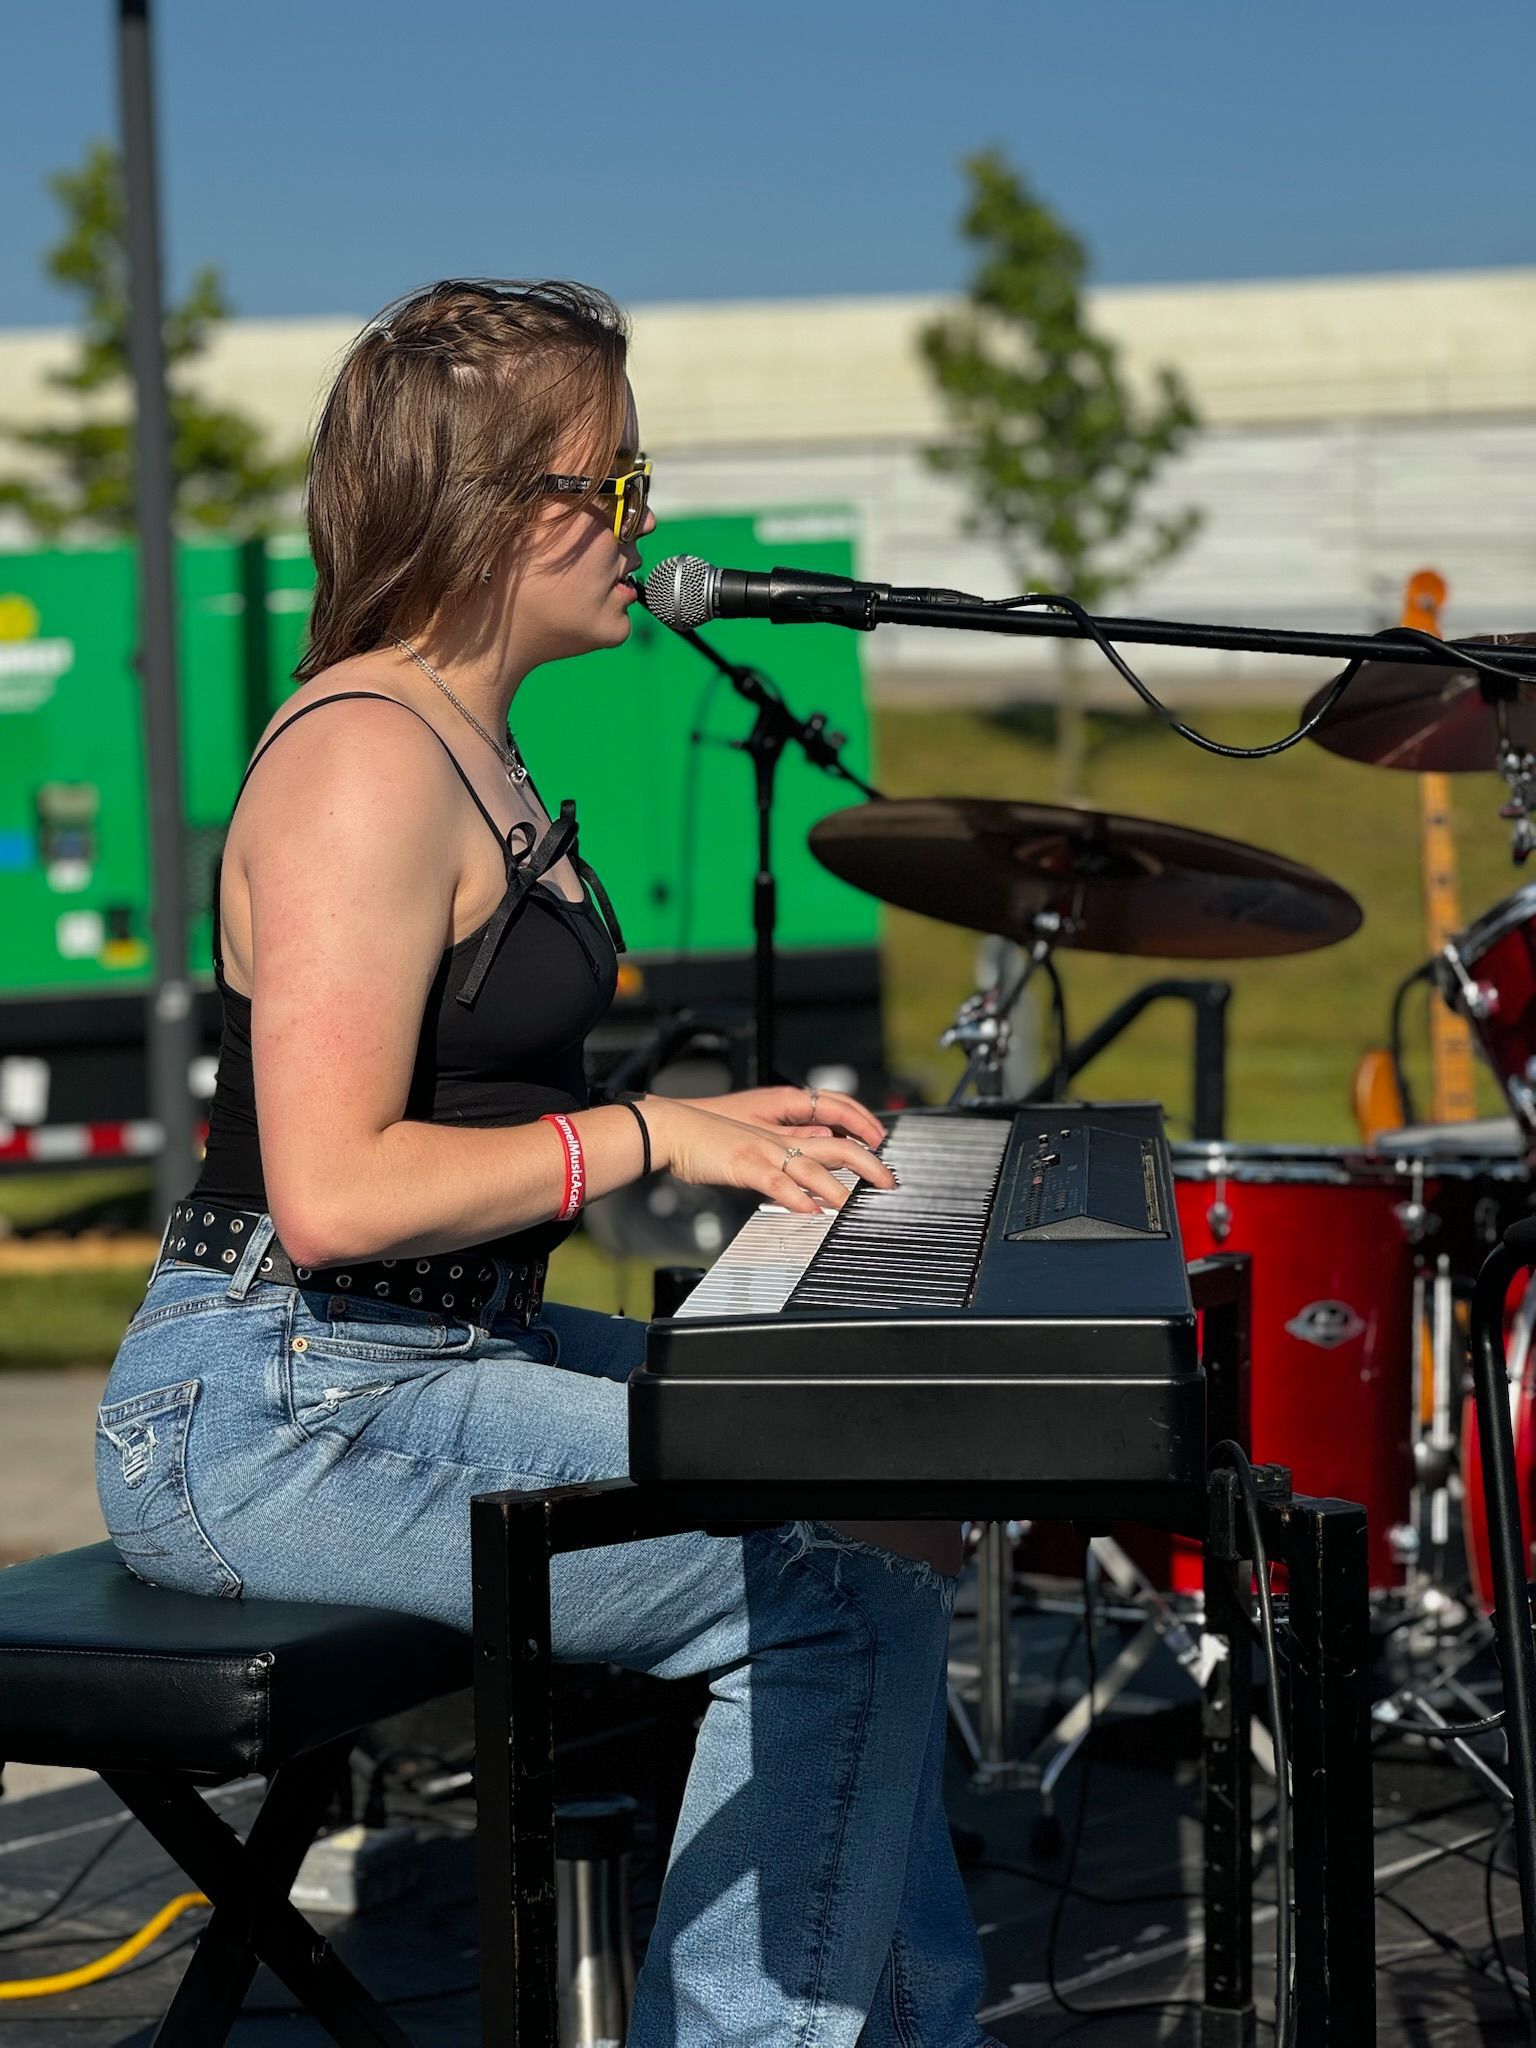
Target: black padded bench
{"type": "Point", "coordinates": [163, 1692]}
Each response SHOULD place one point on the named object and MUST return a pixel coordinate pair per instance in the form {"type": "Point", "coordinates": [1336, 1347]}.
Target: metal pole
{"type": "Point", "coordinates": [169, 1024]}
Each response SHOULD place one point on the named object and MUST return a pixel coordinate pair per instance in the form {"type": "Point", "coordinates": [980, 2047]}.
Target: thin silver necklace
{"type": "Point", "coordinates": [511, 760]}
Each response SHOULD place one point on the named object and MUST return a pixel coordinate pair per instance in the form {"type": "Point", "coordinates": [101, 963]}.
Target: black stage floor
{"type": "Point", "coordinates": [1130, 1932]}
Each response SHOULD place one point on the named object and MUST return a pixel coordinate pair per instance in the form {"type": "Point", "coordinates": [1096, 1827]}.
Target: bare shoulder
{"type": "Point", "coordinates": [356, 749]}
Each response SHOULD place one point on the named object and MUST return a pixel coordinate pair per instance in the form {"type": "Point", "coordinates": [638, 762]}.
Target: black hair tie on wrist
{"type": "Point", "coordinates": [627, 1102]}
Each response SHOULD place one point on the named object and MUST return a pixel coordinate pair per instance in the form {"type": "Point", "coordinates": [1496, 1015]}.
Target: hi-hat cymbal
{"type": "Point", "coordinates": [1399, 714]}
{"type": "Point", "coordinates": [1125, 885]}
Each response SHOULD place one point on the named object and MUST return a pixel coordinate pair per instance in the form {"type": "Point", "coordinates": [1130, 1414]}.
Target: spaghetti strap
{"type": "Point", "coordinates": [341, 697]}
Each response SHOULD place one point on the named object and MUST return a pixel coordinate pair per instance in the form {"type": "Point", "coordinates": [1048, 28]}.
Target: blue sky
{"type": "Point", "coordinates": [327, 154]}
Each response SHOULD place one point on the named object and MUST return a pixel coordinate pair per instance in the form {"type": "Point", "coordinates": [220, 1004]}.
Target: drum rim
{"type": "Point", "coordinates": [1295, 1164]}
{"type": "Point", "coordinates": [1496, 923]}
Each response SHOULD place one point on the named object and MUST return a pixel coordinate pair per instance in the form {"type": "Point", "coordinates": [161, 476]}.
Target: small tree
{"type": "Point", "coordinates": [224, 477]}
{"type": "Point", "coordinates": [1054, 447]}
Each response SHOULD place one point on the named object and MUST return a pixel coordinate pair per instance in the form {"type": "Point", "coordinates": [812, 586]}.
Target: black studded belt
{"type": "Point", "coordinates": [458, 1284]}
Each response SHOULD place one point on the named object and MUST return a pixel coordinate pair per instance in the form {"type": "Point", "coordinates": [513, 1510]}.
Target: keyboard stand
{"type": "Point", "coordinates": [514, 1535]}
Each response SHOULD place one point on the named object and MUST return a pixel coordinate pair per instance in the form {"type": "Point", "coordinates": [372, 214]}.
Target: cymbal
{"type": "Point", "coordinates": [1127, 885]}
{"type": "Point", "coordinates": [1399, 714]}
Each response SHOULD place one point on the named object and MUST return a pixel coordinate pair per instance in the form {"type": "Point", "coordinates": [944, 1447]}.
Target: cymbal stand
{"type": "Point", "coordinates": [983, 1028]}
{"type": "Point", "coordinates": [983, 1025]}
{"type": "Point", "coordinates": [1518, 768]}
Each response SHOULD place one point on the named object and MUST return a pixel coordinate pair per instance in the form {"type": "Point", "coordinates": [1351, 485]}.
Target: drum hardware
{"type": "Point", "coordinates": [1413, 1215]}
{"type": "Point", "coordinates": [1517, 765]}
{"type": "Point", "coordinates": [1174, 1624]}
{"type": "Point", "coordinates": [1478, 999]}
{"type": "Point", "coordinates": [983, 1026]}
{"type": "Point", "coordinates": [1440, 1450]}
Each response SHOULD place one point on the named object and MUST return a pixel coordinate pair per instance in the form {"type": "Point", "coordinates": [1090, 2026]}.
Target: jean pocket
{"type": "Point", "coordinates": [141, 1481]}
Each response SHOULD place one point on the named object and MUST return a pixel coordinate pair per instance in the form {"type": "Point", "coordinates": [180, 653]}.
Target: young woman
{"type": "Point", "coordinates": [344, 1339]}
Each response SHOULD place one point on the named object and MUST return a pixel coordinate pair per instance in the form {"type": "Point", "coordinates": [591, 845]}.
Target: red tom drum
{"type": "Point", "coordinates": [1333, 1319]}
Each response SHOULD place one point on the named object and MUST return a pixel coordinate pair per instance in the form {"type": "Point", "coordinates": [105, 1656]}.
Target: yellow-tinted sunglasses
{"type": "Point", "coordinates": [630, 490]}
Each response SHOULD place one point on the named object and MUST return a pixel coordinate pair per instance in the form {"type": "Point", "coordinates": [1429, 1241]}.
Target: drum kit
{"type": "Point", "coordinates": [1364, 1256]}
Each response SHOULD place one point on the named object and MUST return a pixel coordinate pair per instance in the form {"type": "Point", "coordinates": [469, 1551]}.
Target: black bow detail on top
{"type": "Point", "coordinates": [524, 869]}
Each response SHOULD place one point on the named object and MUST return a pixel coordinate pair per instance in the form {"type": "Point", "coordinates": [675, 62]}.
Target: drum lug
{"type": "Point", "coordinates": [1414, 1219]}
{"type": "Point", "coordinates": [1479, 999]}
{"type": "Point", "coordinates": [1433, 1464]}
{"type": "Point", "coordinates": [1218, 1220]}
{"type": "Point", "coordinates": [1403, 1540]}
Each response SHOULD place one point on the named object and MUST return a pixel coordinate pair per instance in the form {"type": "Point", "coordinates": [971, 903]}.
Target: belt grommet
{"type": "Point", "coordinates": [415, 1294]}
{"type": "Point", "coordinates": [454, 1272]}
{"type": "Point", "coordinates": [423, 1265]}
{"type": "Point", "coordinates": [207, 1216]}
{"type": "Point", "coordinates": [236, 1226]}
{"type": "Point", "coordinates": [381, 1287]}
{"type": "Point", "coordinates": [200, 1249]}
{"type": "Point", "coordinates": [447, 1301]}
{"type": "Point", "coordinates": [343, 1279]}
{"type": "Point", "coordinates": [228, 1257]}
{"type": "Point", "coordinates": [301, 1272]}
{"type": "Point", "coordinates": [266, 1265]}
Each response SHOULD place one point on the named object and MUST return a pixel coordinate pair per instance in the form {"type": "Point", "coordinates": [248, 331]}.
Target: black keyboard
{"type": "Point", "coordinates": [1016, 1311]}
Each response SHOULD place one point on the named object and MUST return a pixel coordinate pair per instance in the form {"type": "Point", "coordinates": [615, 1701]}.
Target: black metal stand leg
{"type": "Point", "coordinates": [1227, 2017]}
{"type": "Point", "coordinates": [1323, 1544]}
{"type": "Point", "coordinates": [1506, 1546]}
{"type": "Point", "coordinates": [216, 1860]}
{"type": "Point", "coordinates": [515, 1774]}
{"type": "Point", "coordinates": [215, 1982]}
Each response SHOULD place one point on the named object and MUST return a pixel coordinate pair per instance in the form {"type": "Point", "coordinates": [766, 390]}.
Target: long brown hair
{"type": "Point", "coordinates": [433, 444]}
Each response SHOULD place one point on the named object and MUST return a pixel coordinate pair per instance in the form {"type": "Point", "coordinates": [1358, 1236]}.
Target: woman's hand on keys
{"type": "Point", "coordinates": [790, 1164]}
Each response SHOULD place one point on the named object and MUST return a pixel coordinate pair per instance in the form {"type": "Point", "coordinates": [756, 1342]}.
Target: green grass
{"type": "Point", "coordinates": [37, 1199]}
{"type": "Point", "coordinates": [1298, 1025]}
{"type": "Point", "coordinates": [72, 1317]}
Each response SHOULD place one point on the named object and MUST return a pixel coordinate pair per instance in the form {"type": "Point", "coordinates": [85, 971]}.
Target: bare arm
{"type": "Point", "coordinates": [352, 852]}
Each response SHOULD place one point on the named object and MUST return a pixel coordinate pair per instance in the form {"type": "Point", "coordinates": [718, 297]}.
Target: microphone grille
{"type": "Point", "coordinates": [680, 591]}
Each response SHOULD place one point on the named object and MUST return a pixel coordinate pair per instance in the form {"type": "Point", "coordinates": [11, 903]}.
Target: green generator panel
{"type": "Point", "coordinates": [644, 737]}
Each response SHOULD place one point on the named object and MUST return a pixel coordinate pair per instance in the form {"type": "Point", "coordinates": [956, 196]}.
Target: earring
{"type": "Point", "coordinates": [485, 574]}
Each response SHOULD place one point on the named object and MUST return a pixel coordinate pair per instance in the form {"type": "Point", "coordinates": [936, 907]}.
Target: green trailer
{"type": "Point", "coordinates": [643, 737]}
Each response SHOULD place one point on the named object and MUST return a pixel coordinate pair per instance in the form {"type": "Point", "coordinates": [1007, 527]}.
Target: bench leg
{"type": "Point", "coordinates": [256, 1922]}
{"type": "Point", "coordinates": [1323, 1543]}
{"type": "Point", "coordinates": [215, 1982]}
{"type": "Point", "coordinates": [515, 1775]}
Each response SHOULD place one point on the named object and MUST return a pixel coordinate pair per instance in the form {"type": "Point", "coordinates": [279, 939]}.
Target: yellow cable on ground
{"type": "Point", "coordinates": [88, 1973]}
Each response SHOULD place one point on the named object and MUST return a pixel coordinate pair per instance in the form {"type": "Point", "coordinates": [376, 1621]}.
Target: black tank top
{"type": "Point", "coordinates": [505, 1018]}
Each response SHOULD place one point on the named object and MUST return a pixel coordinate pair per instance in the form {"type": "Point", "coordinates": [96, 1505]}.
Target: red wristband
{"type": "Point", "coordinates": [575, 1172]}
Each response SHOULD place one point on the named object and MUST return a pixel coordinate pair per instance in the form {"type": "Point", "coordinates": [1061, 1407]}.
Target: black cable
{"type": "Point", "coordinates": [1395, 1038]}
{"type": "Point", "coordinates": [1059, 1074]}
{"type": "Point", "coordinates": [1445, 1731]}
{"type": "Point", "coordinates": [1109, 2007]}
{"type": "Point", "coordinates": [74, 1884]}
{"type": "Point", "coordinates": [1438, 1936]}
{"type": "Point", "coordinates": [1519, 1999]}
{"type": "Point", "coordinates": [1393, 635]}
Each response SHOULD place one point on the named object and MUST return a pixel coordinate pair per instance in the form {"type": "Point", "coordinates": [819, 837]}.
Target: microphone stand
{"type": "Point", "coordinates": [774, 728]}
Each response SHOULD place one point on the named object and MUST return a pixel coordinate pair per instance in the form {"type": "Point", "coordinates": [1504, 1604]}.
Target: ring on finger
{"type": "Point", "coordinates": [792, 1153]}
{"type": "Point", "coordinates": [815, 1098]}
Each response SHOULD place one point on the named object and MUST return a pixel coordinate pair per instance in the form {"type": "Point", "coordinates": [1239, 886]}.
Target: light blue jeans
{"type": "Point", "coordinates": [271, 1440]}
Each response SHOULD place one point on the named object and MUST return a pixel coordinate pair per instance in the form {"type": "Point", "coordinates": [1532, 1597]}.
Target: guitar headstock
{"type": "Point", "coordinates": [1423, 595]}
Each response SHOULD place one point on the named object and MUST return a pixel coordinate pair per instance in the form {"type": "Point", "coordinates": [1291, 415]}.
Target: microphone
{"type": "Point", "coordinates": [684, 592]}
